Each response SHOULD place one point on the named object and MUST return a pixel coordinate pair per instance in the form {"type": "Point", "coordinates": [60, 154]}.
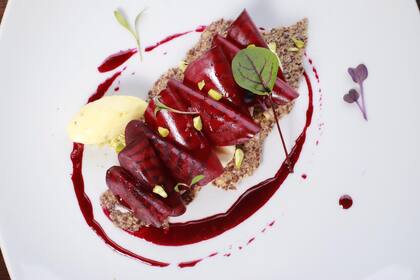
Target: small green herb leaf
{"type": "Point", "coordinates": [123, 21]}
{"type": "Point", "coordinates": [136, 27]}
{"type": "Point", "coordinates": [196, 179]}
{"type": "Point", "coordinates": [255, 69]}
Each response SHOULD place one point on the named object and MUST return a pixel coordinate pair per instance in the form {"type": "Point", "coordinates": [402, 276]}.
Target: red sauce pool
{"type": "Point", "coordinates": [345, 201]}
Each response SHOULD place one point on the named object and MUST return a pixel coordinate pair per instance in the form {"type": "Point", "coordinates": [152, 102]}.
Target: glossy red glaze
{"type": "Point", "coordinates": [180, 126]}
{"type": "Point", "coordinates": [223, 125]}
{"type": "Point", "coordinates": [146, 206]}
{"type": "Point", "coordinates": [243, 32]}
{"type": "Point", "coordinates": [254, 198]}
{"type": "Point", "coordinates": [184, 165]}
{"type": "Point", "coordinates": [115, 60]}
{"type": "Point", "coordinates": [215, 70]}
{"type": "Point", "coordinates": [141, 161]}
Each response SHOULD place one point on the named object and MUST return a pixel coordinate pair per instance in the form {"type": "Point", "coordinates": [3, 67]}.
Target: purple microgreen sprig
{"type": "Point", "coordinates": [359, 75]}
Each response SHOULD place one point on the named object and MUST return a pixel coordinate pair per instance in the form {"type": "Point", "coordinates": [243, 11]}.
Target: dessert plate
{"type": "Point", "coordinates": [49, 53]}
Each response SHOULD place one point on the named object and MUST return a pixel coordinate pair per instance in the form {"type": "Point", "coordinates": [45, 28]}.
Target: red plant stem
{"type": "Point", "coordinates": [281, 135]}
{"type": "Point", "coordinates": [363, 102]}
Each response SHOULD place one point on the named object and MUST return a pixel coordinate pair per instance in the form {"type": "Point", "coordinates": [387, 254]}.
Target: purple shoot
{"type": "Point", "coordinates": [353, 96]}
{"type": "Point", "coordinates": [359, 75]}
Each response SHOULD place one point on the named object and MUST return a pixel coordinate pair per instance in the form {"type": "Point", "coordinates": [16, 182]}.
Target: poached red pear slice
{"type": "Point", "coordinates": [180, 126]}
{"type": "Point", "coordinates": [184, 165]}
{"type": "Point", "coordinates": [146, 206]}
{"type": "Point", "coordinates": [214, 69]}
{"type": "Point", "coordinates": [282, 92]}
{"type": "Point", "coordinates": [222, 123]}
{"type": "Point", "coordinates": [244, 32]}
{"type": "Point", "coordinates": [140, 159]}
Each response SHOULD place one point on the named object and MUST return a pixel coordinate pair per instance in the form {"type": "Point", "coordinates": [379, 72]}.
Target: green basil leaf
{"type": "Point", "coordinates": [196, 179]}
{"type": "Point", "coordinates": [255, 69]}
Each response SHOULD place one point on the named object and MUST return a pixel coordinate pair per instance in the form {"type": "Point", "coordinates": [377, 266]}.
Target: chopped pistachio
{"type": "Point", "coordinates": [164, 132]}
{"type": "Point", "coordinates": [118, 143]}
{"type": "Point", "coordinates": [183, 65]}
{"type": "Point", "coordinates": [215, 94]}
{"type": "Point", "coordinates": [160, 191]}
{"type": "Point", "coordinates": [119, 147]}
{"type": "Point", "coordinates": [251, 46]}
{"type": "Point", "coordinates": [176, 188]}
{"type": "Point", "coordinates": [198, 124]}
{"type": "Point", "coordinates": [298, 43]}
{"type": "Point", "coordinates": [293, 49]}
{"type": "Point", "coordinates": [201, 84]}
{"type": "Point", "coordinates": [273, 47]}
{"type": "Point", "coordinates": [239, 157]}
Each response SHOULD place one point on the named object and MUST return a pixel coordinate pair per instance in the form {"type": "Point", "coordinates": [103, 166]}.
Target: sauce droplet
{"type": "Point", "coordinates": [345, 201]}
{"type": "Point", "coordinates": [304, 176]}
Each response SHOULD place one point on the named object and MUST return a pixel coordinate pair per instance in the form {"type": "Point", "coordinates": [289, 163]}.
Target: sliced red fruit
{"type": "Point", "coordinates": [184, 165]}
{"type": "Point", "coordinates": [282, 92]}
{"type": "Point", "coordinates": [145, 205]}
{"type": "Point", "coordinates": [180, 126]}
{"type": "Point", "coordinates": [214, 69]}
{"type": "Point", "coordinates": [222, 123]}
{"type": "Point", "coordinates": [140, 159]}
{"type": "Point", "coordinates": [243, 32]}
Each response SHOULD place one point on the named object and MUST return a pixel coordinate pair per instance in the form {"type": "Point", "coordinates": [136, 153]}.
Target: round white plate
{"type": "Point", "coordinates": [49, 52]}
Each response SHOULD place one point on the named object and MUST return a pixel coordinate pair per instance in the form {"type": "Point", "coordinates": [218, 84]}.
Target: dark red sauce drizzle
{"type": "Point", "coordinates": [254, 198]}
{"type": "Point", "coordinates": [345, 201]}
{"type": "Point", "coordinates": [85, 205]}
{"type": "Point", "coordinates": [115, 60]}
{"type": "Point", "coordinates": [189, 263]}
{"type": "Point", "coordinates": [198, 230]}
{"type": "Point", "coordinates": [103, 87]}
{"type": "Point", "coordinates": [200, 28]}
{"type": "Point", "coordinates": [304, 176]}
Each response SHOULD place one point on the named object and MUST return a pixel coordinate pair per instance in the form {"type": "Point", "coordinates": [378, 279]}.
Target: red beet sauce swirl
{"type": "Point", "coordinates": [247, 204]}
{"type": "Point", "coordinates": [193, 231]}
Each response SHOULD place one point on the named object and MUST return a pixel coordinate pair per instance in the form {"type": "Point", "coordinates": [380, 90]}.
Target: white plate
{"type": "Point", "coordinates": [49, 52]}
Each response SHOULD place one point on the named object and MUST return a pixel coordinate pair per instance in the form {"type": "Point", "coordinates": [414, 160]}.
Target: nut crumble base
{"type": "Point", "coordinates": [292, 69]}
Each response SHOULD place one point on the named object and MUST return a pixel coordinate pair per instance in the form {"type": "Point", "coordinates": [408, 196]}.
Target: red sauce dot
{"type": "Point", "coordinates": [345, 201]}
{"type": "Point", "coordinates": [304, 176]}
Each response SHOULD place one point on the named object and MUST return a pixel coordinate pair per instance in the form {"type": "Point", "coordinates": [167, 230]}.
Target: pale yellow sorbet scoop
{"type": "Point", "coordinates": [103, 120]}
